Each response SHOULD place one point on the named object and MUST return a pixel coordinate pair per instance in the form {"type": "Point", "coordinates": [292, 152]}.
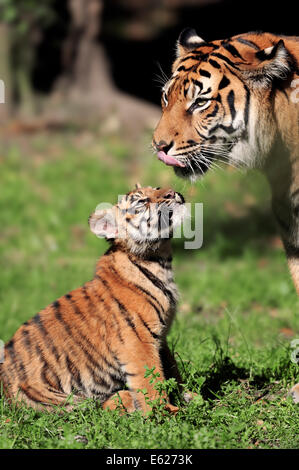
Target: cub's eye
{"type": "Point", "coordinates": [199, 103]}
{"type": "Point", "coordinates": [138, 205]}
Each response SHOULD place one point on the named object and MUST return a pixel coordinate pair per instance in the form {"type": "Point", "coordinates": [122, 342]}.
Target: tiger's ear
{"type": "Point", "coordinates": [188, 40]}
{"type": "Point", "coordinates": [268, 64]}
{"type": "Point", "coordinates": [103, 224]}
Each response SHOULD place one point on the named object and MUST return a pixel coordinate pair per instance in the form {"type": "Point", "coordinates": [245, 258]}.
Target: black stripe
{"type": "Point", "coordinates": [10, 349]}
{"type": "Point", "coordinates": [200, 134]}
{"type": "Point", "coordinates": [226, 59]}
{"type": "Point", "coordinates": [143, 290]}
{"type": "Point", "coordinates": [204, 73]}
{"type": "Point", "coordinates": [214, 112]}
{"type": "Point", "coordinates": [224, 82]}
{"type": "Point", "coordinates": [75, 373]}
{"type": "Point", "coordinates": [248, 43]}
{"type": "Point", "coordinates": [41, 397]}
{"type": "Point", "coordinates": [99, 379]}
{"type": "Point", "coordinates": [69, 298]}
{"type": "Point", "coordinates": [36, 319]}
{"type": "Point", "coordinates": [121, 307]}
{"type": "Point", "coordinates": [185, 69]}
{"type": "Point", "coordinates": [229, 129]}
{"type": "Point", "coordinates": [191, 57]}
{"type": "Point", "coordinates": [98, 315]}
{"type": "Point", "coordinates": [147, 293]}
{"type": "Point", "coordinates": [231, 103]}
{"type": "Point", "coordinates": [82, 339]}
{"type": "Point", "coordinates": [246, 110]}
{"type": "Point", "coordinates": [127, 317]}
{"type": "Point", "coordinates": [197, 83]}
{"type": "Point", "coordinates": [110, 312]}
{"type": "Point", "coordinates": [16, 360]}
{"type": "Point", "coordinates": [155, 280]}
{"type": "Point", "coordinates": [129, 221]}
{"type": "Point", "coordinates": [232, 50]}
{"type": "Point", "coordinates": [207, 91]}
{"type": "Point", "coordinates": [154, 335]}
{"type": "Point", "coordinates": [30, 396]}
{"type": "Point", "coordinates": [191, 144]}
{"type": "Point", "coordinates": [47, 367]}
{"type": "Point", "coordinates": [91, 305]}
{"type": "Point", "coordinates": [214, 64]}
{"type": "Point", "coordinates": [48, 341]}
{"type": "Point", "coordinates": [26, 338]}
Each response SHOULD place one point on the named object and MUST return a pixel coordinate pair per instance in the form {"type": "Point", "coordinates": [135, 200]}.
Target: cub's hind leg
{"type": "Point", "coordinates": [42, 398]}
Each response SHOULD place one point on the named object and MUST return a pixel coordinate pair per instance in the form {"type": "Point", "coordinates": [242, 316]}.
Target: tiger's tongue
{"type": "Point", "coordinates": [168, 160]}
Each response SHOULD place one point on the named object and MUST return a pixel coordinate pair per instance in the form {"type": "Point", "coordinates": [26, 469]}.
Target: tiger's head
{"type": "Point", "coordinates": [218, 103]}
{"type": "Point", "coordinates": [142, 220]}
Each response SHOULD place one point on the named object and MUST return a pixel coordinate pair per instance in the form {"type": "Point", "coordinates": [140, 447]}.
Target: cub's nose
{"type": "Point", "coordinates": [170, 194]}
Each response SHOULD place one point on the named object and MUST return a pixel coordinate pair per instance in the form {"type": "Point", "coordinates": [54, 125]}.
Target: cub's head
{"type": "Point", "coordinates": [218, 103]}
{"type": "Point", "coordinates": [142, 219]}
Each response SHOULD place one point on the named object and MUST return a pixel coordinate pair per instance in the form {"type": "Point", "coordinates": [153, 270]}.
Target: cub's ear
{"type": "Point", "coordinates": [188, 40]}
{"type": "Point", "coordinates": [103, 224]}
{"type": "Point", "coordinates": [268, 64]}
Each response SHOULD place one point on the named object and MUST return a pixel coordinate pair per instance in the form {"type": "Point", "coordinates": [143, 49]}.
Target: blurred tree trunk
{"type": "Point", "coordinates": [86, 72]}
{"type": "Point", "coordinates": [5, 72]}
{"type": "Point", "coordinates": [22, 54]}
{"type": "Point", "coordinates": [86, 87]}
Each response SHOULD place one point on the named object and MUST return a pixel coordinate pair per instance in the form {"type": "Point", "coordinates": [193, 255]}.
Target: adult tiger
{"type": "Point", "coordinates": [236, 99]}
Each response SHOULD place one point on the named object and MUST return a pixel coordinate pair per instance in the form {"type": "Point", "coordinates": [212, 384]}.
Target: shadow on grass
{"type": "Point", "coordinates": [226, 371]}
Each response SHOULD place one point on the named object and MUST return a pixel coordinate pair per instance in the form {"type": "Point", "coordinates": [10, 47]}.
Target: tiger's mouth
{"type": "Point", "coordinates": [193, 168]}
{"type": "Point", "coordinates": [169, 160]}
{"type": "Point", "coordinates": [193, 165]}
{"type": "Point", "coordinates": [186, 166]}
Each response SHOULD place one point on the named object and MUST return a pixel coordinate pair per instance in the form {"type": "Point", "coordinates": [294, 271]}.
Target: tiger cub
{"type": "Point", "coordinates": [96, 340]}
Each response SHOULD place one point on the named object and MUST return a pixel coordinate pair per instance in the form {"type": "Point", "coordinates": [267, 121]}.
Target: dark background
{"type": "Point", "coordinates": [134, 54]}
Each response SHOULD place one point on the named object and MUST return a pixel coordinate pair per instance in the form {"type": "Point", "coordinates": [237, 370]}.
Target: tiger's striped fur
{"type": "Point", "coordinates": [236, 100]}
{"type": "Point", "coordinates": [97, 339]}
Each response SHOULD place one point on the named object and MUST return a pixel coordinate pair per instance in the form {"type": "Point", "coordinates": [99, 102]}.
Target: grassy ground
{"type": "Point", "coordinates": [237, 315]}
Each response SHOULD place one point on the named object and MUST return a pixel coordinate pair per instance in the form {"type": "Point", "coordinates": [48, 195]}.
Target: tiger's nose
{"type": "Point", "coordinates": [163, 146]}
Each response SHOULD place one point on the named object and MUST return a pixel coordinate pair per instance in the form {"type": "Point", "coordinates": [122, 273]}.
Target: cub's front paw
{"type": "Point", "coordinates": [171, 408]}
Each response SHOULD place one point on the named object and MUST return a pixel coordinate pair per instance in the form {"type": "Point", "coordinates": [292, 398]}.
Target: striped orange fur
{"type": "Point", "coordinates": [236, 100]}
{"type": "Point", "coordinates": [96, 340]}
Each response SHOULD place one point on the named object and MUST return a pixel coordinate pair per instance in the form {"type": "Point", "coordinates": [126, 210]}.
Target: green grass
{"type": "Point", "coordinates": [238, 310]}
